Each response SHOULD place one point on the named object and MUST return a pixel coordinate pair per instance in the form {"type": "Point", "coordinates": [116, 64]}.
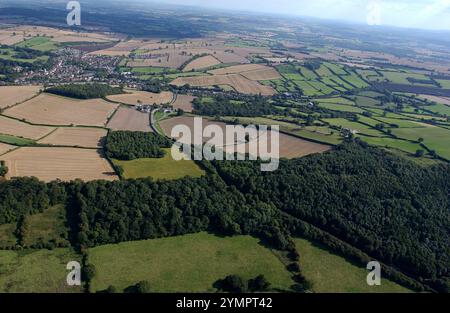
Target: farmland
{"type": "Point", "coordinates": [76, 137]}
{"type": "Point", "coordinates": [134, 97]}
{"type": "Point", "coordinates": [201, 63]}
{"type": "Point", "coordinates": [190, 263]}
{"type": "Point", "coordinates": [162, 168]}
{"type": "Point", "coordinates": [12, 95]}
{"type": "Point", "coordinates": [130, 119]}
{"type": "Point", "coordinates": [20, 274]}
{"type": "Point", "coordinates": [321, 267]}
{"type": "Point", "coordinates": [184, 102]}
{"type": "Point", "coordinates": [54, 110]}
{"type": "Point", "coordinates": [65, 164]}
{"type": "Point", "coordinates": [14, 127]}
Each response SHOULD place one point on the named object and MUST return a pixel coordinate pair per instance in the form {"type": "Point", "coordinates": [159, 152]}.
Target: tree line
{"type": "Point", "coordinates": [84, 91]}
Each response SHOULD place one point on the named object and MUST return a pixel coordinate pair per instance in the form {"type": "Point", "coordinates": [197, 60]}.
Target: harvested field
{"type": "Point", "coordinates": [13, 127]}
{"type": "Point", "coordinates": [11, 40]}
{"type": "Point", "coordinates": [436, 99]}
{"type": "Point", "coordinates": [162, 58]}
{"type": "Point", "coordinates": [76, 137]}
{"type": "Point", "coordinates": [184, 102]}
{"type": "Point", "coordinates": [145, 97]}
{"type": "Point", "coordinates": [66, 164]}
{"type": "Point", "coordinates": [201, 63]}
{"type": "Point", "coordinates": [11, 95]}
{"type": "Point", "coordinates": [130, 119]}
{"type": "Point", "coordinates": [262, 74]}
{"type": "Point", "coordinates": [236, 69]}
{"type": "Point", "coordinates": [5, 148]}
{"type": "Point", "coordinates": [122, 48]}
{"type": "Point", "coordinates": [238, 82]}
{"type": "Point", "coordinates": [290, 147]}
{"type": "Point", "coordinates": [54, 110]}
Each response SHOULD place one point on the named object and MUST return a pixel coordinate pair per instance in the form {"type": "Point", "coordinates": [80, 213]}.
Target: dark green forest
{"type": "Point", "coordinates": [361, 202]}
{"type": "Point", "coordinates": [84, 91]}
{"type": "Point", "coordinates": [129, 145]}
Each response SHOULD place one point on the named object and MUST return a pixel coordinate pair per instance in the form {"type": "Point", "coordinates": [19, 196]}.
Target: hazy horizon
{"type": "Point", "coordinates": [424, 14]}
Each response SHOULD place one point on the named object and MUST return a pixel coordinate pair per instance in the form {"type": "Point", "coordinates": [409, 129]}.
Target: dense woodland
{"type": "Point", "coordinates": [84, 91]}
{"type": "Point", "coordinates": [222, 106]}
{"type": "Point", "coordinates": [361, 202]}
{"type": "Point", "coordinates": [128, 145]}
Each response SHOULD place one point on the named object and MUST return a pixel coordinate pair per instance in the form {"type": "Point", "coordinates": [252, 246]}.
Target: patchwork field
{"type": "Point", "coordinates": [184, 102]}
{"type": "Point", "coordinates": [160, 168]}
{"type": "Point", "coordinates": [238, 82]}
{"type": "Point", "coordinates": [201, 63]}
{"type": "Point", "coordinates": [290, 146]}
{"type": "Point", "coordinates": [76, 137]}
{"type": "Point", "coordinates": [37, 271]}
{"type": "Point", "coordinates": [331, 273]}
{"type": "Point", "coordinates": [66, 164]}
{"type": "Point", "coordinates": [144, 97]}
{"type": "Point", "coordinates": [190, 263]}
{"type": "Point", "coordinates": [11, 95]}
{"type": "Point", "coordinates": [250, 71]}
{"type": "Point", "coordinates": [13, 127]}
{"type": "Point", "coordinates": [54, 110]}
{"type": "Point", "coordinates": [130, 119]}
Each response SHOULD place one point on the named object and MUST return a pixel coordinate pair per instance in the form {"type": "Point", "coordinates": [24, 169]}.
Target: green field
{"type": "Point", "coordinates": [331, 273]}
{"type": "Point", "coordinates": [341, 107]}
{"type": "Point", "coordinates": [10, 55]}
{"type": "Point", "coordinates": [17, 141]}
{"type": "Point", "coordinates": [7, 238]}
{"type": "Point", "coordinates": [38, 271]}
{"type": "Point", "coordinates": [39, 43]}
{"type": "Point", "coordinates": [47, 226]}
{"type": "Point", "coordinates": [360, 128]}
{"type": "Point", "coordinates": [190, 263]}
{"type": "Point", "coordinates": [387, 142]}
{"type": "Point", "coordinates": [163, 168]}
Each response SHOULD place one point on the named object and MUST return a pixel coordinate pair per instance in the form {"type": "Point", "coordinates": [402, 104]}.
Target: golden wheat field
{"type": "Point", "coordinates": [201, 63]}
{"type": "Point", "coordinates": [184, 102]}
{"type": "Point", "coordinates": [48, 109]}
{"type": "Point", "coordinates": [11, 95]}
{"type": "Point", "coordinates": [76, 137]}
{"type": "Point", "coordinates": [145, 97]}
{"type": "Point", "coordinates": [65, 164]}
{"type": "Point", "coordinates": [127, 118]}
{"type": "Point", "coordinates": [9, 126]}
{"type": "Point", "coordinates": [236, 81]}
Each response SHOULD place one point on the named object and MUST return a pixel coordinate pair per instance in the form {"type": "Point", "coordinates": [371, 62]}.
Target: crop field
{"type": "Point", "coordinates": [331, 273]}
{"type": "Point", "coordinates": [144, 97]}
{"type": "Point", "coordinates": [160, 168]}
{"type": "Point", "coordinates": [12, 127]}
{"type": "Point", "coordinates": [66, 164]}
{"type": "Point", "coordinates": [127, 118]}
{"type": "Point", "coordinates": [201, 63]}
{"type": "Point", "coordinates": [37, 271]}
{"type": "Point", "coordinates": [189, 263]}
{"type": "Point", "coordinates": [238, 82]}
{"type": "Point", "coordinates": [76, 137]}
{"type": "Point", "coordinates": [184, 102]}
{"type": "Point", "coordinates": [11, 95]}
{"type": "Point", "coordinates": [5, 148]}
{"type": "Point", "coordinates": [236, 69]}
{"type": "Point", "coordinates": [55, 110]}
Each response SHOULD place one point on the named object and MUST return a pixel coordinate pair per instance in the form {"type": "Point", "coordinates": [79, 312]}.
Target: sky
{"type": "Point", "coordinates": [426, 14]}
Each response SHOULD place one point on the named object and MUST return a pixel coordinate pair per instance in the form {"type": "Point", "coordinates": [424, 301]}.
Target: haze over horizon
{"type": "Point", "coordinates": [425, 14]}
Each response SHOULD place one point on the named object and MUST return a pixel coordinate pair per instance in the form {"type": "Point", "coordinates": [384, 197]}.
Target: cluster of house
{"type": "Point", "coordinates": [148, 108]}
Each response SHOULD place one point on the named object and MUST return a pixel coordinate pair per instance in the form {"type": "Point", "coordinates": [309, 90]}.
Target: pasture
{"type": "Point", "coordinates": [160, 168]}
{"type": "Point", "coordinates": [189, 263]}
{"type": "Point", "coordinates": [49, 109]}
{"type": "Point", "coordinates": [66, 164]}
{"type": "Point", "coordinates": [38, 271]}
{"type": "Point", "coordinates": [76, 137]}
{"type": "Point", "coordinates": [331, 273]}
